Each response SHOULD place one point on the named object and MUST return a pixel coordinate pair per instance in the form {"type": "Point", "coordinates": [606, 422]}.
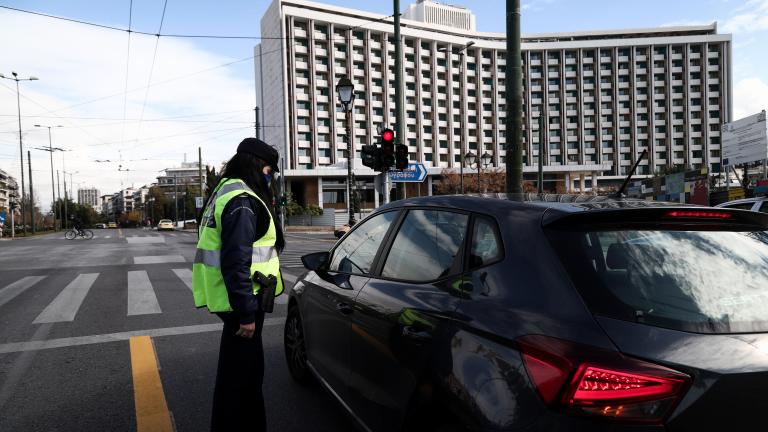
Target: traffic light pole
{"type": "Point", "coordinates": [350, 155]}
{"type": "Point", "coordinates": [514, 101]}
{"type": "Point", "coordinates": [400, 120]}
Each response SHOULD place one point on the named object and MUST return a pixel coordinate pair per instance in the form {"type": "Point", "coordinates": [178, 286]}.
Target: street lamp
{"type": "Point", "coordinates": [21, 150]}
{"type": "Point", "coordinates": [460, 52]}
{"type": "Point", "coordinates": [346, 92]}
{"type": "Point", "coordinates": [50, 150]}
{"type": "Point", "coordinates": [486, 161]}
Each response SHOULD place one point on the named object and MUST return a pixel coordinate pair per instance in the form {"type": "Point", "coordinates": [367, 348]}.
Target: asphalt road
{"type": "Point", "coordinates": [80, 321]}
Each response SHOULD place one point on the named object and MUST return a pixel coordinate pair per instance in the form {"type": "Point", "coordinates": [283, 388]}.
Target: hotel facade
{"type": "Point", "coordinates": [605, 96]}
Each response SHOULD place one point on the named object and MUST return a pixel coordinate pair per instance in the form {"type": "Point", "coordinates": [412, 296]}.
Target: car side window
{"type": "Point", "coordinates": [764, 207]}
{"type": "Point", "coordinates": [427, 246]}
{"type": "Point", "coordinates": [743, 206]}
{"type": "Point", "coordinates": [355, 254]}
{"type": "Point", "coordinates": [486, 244]}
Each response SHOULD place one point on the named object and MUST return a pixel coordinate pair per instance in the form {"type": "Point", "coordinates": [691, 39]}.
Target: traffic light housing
{"type": "Point", "coordinates": [401, 157]}
{"type": "Point", "coordinates": [370, 155]}
{"type": "Point", "coordinates": [387, 148]}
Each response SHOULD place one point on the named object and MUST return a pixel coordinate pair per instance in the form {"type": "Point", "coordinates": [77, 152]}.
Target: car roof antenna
{"type": "Point", "coordinates": [620, 192]}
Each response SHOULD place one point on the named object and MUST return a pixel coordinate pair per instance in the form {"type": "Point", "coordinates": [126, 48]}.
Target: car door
{"type": "Point", "coordinates": [401, 332]}
{"type": "Point", "coordinates": [329, 296]}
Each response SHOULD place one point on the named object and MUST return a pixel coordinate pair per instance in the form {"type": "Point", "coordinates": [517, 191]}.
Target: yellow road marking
{"type": "Point", "coordinates": [151, 408]}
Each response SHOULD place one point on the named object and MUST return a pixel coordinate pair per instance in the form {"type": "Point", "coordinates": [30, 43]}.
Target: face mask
{"type": "Point", "coordinates": [268, 178]}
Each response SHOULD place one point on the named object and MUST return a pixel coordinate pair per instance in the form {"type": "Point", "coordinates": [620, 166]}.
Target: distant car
{"type": "Point", "coordinates": [100, 225]}
{"type": "Point", "coordinates": [758, 204]}
{"type": "Point", "coordinates": [112, 225]}
{"type": "Point", "coordinates": [539, 313]}
{"type": "Point", "coordinates": [165, 224]}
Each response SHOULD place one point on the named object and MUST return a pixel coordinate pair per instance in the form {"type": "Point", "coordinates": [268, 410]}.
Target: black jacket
{"type": "Point", "coordinates": [243, 221]}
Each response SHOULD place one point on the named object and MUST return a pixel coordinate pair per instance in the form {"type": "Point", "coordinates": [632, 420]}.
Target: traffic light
{"type": "Point", "coordinates": [14, 205]}
{"type": "Point", "coordinates": [387, 148]}
{"type": "Point", "coordinates": [283, 200]}
{"type": "Point", "coordinates": [401, 157]}
{"type": "Point", "coordinates": [369, 156]}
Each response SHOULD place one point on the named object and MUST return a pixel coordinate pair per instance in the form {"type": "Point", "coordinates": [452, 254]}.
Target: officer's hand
{"type": "Point", "coordinates": [246, 330]}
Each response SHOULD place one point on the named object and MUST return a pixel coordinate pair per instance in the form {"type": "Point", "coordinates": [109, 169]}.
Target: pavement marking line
{"type": "Point", "coordinates": [9, 292]}
{"type": "Point", "coordinates": [185, 275]}
{"type": "Point", "coordinates": [107, 237]}
{"type": "Point", "coordinates": [158, 259]}
{"type": "Point", "coordinates": [65, 306]}
{"type": "Point", "coordinates": [144, 240]}
{"type": "Point", "coordinates": [172, 234]}
{"type": "Point", "coordinates": [141, 296]}
{"type": "Point", "coordinates": [148, 396]}
{"type": "Point", "coordinates": [36, 345]}
{"type": "Point", "coordinates": [119, 233]}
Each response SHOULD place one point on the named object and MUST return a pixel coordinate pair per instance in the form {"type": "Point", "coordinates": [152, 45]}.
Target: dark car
{"type": "Point", "coordinates": [539, 313]}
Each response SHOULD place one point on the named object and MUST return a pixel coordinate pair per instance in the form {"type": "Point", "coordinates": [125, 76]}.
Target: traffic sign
{"type": "Point", "coordinates": [2, 218]}
{"type": "Point", "coordinates": [198, 202]}
{"type": "Point", "coordinates": [415, 173]}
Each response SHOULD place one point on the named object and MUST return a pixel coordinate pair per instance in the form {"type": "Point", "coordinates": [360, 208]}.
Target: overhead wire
{"type": "Point", "coordinates": [127, 66]}
{"type": "Point", "coordinates": [151, 71]}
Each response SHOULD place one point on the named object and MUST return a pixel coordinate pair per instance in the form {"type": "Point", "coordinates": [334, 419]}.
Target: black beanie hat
{"type": "Point", "coordinates": [262, 150]}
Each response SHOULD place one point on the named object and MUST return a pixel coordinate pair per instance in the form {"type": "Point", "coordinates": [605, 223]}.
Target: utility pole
{"type": "Point", "coordinates": [540, 182]}
{"type": "Point", "coordinates": [175, 200]}
{"type": "Point", "coordinates": [257, 124]}
{"type": "Point", "coordinates": [514, 100]}
{"type": "Point", "coordinates": [399, 84]}
{"type": "Point", "coordinates": [31, 193]}
{"type": "Point", "coordinates": [200, 178]}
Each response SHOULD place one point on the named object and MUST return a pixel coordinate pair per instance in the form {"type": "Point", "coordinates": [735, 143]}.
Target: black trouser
{"type": "Point", "coordinates": [238, 400]}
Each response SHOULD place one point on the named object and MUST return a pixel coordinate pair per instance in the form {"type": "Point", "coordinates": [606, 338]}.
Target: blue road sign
{"type": "Point", "coordinates": [415, 173]}
{"type": "Point", "coordinates": [2, 217]}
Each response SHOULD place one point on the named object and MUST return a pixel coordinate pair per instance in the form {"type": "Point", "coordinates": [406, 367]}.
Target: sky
{"type": "Point", "coordinates": [185, 93]}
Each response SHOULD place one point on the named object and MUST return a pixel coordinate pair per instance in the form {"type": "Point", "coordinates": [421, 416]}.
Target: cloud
{"type": "Point", "coordinates": [750, 17]}
{"type": "Point", "coordinates": [750, 97]}
{"type": "Point", "coordinates": [535, 5]}
{"type": "Point", "coordinates": [77, 64]}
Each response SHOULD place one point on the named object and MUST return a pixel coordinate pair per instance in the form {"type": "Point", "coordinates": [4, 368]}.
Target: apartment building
{"type": "Point", "coordinates": [605, 96]}
{"type": "Point", "coordinates": [89, 197]}
{"type": "Point", "coordinates": [8, 190]}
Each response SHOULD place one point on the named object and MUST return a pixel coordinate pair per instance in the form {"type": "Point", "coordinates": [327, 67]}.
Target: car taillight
{"type": "Point", "coordinates": [590, 381]}
{"type": "Point", "coordinates": [699, 214]}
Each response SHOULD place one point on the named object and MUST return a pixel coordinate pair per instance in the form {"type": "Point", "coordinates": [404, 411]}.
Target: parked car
{"type": "Point", "coordinates": [100, 225]}
{"type": "Point", "coordinates": [112, 224]}
{"type": "Point", "coordinates": [526, 313]}
{"type": "Point", "coordinates": [757, 204]}
{"type": "Point", "coordinates": [165, 224]}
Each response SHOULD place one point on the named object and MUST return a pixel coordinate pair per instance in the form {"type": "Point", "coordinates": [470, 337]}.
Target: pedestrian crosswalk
{"type": "Point", "coordinates": [291, 259]}
{"type": "Point", "coordinates": [141, 293]}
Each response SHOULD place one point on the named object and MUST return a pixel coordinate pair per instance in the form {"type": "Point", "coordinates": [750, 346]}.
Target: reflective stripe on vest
{"type": "Point", "coordinates": [207, 280]}
{"type": "Point", "coordinates": [212, 258]}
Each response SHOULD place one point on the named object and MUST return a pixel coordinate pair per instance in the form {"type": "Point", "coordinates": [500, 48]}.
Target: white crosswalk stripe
{"type": "Point", "coordinates": [65, 306]}
{"type": "Point", "coordinates": [185, 275]}
{"type": "Point", "coordinates": [291, 259]}
{"type": "Point", "coordinates": [11, 291]}
{"type": "Point", "coordinates": [141, 296]}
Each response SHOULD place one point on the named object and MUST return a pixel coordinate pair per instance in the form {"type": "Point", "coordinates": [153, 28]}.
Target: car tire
{"type": "Point", "coordinates": [295, 348]}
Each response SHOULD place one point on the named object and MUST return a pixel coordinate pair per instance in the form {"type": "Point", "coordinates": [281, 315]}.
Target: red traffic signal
{"type": "Point", "coordinates": [388, 135]}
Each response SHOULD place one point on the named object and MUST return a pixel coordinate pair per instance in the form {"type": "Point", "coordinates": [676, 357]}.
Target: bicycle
{"type": "Point", "coordinates": [74, 233]}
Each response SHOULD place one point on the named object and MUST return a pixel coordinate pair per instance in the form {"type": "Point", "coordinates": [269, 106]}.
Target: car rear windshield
{"type": "Point", "coordinates": [697, 281]}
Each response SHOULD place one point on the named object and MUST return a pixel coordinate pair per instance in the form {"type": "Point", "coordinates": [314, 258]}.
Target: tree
{"type": "Point", "coordinates": [492, 180]}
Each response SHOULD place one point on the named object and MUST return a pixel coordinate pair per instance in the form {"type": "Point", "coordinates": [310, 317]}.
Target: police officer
{"type": "Point", "coordinates": [239, 236]}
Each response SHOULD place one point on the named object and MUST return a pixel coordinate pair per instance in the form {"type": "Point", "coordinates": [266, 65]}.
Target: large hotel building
{"type": "Point", "coordinates": [605, 96]}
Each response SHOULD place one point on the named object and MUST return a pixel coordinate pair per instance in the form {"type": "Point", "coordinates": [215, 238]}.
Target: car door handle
{"type": "Point", "coordinates": [414, 333]}
{"type": "Point", "coordinates": [344, 308]}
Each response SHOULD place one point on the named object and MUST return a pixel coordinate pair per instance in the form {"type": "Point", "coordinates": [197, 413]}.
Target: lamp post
{"type": "Point", "coordinates": [346, 92]}
{"type": "Point", "coordinates": [471, 159]}
{"type": "Point", "coordinates": [460, 52]}
{"type": "Point", "coordinates": [50, 150]}
{"type": "Point", "coordinates": [486, 158]}
{"type": "Point", "coordinates": [21, 146]}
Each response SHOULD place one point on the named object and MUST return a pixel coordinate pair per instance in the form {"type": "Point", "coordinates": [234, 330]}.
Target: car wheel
{"type": "Point", "coordinates": [295, 349]}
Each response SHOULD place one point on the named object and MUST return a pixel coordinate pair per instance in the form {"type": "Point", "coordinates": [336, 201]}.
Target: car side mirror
{"type": "Point", "coordinates": [317, 261]}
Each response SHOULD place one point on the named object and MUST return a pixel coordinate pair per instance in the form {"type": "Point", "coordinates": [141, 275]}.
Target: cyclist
{"type": "Point", "coordinates": [77, 225]}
